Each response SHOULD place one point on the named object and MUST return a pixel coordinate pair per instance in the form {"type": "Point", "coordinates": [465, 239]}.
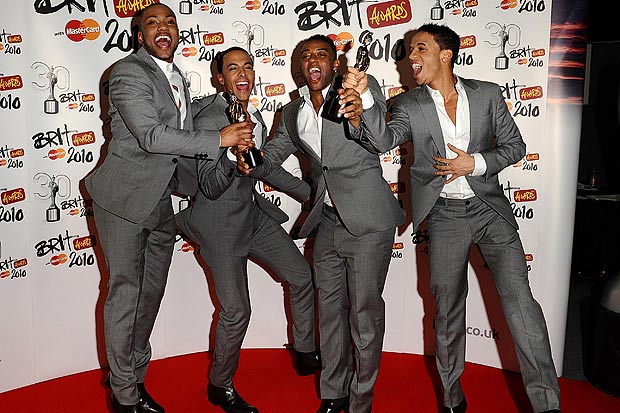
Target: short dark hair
{"type": "Point", "coordinates": [140, 13]}
{"type": "Point", "coordinates": [219, 57]}
{"type": "Point", "coordinates": [322, 38]}
{"type": "Point", "coordinates": [445, 37]}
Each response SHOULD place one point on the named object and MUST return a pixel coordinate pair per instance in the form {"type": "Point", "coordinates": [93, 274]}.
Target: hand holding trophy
{"type": "Point", "coordinates": [362, 61]}
{"type": "Point", "coordinates": [236, 114]}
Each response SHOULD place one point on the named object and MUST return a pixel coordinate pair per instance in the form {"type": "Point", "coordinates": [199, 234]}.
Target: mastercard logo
{"type": "Point", "coordinates": [4, 274]}
{"type": "Point", "coordinates": [252, 5]}
{"type": "Point", "coordinates": [266, 60]}
{"type": "Point", "coordinates": [3, 162]}
{"type": "Point", "coordinates": [343, 41]}
{"type": "Point", "coordinates": [56, 154]}
{"type": "Point", "coordinates": [187, 247]}
{"type": "Point", "coordinates": [58, 259]}
{"type": "Point", "coordinates": [456, 12]}
{"type": "Point", "coordinates": [77, 31]}
{"type": "Point", "coordinates": [509, 105]}
{"type": "Point", "coordinates": [522, 61]}
{"type": "Point", "coordinates": [508, 4]}
{"type": "Point", "coordinates": [73, 106]}
{"type": "Point", "coordinates": [189, 51]}
{"type": "Point", "coordinates": [74, 212]}
{"type": "Point", "coordinates": [387, 158]}
{"type": "Point", "coordinates": [254, 101]}
{"type": "Point", "coordinates": [204, 7]}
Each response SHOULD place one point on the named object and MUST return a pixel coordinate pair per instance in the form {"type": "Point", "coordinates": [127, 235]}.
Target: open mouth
{"type": "Point", "coordinates": [417, 68]}
{"type": "Point", "coordinates": [315, 74]}
{"type": "Point", "coordinates": [163, 41]}
{"type": "Point", "coordinates": [242, 85]}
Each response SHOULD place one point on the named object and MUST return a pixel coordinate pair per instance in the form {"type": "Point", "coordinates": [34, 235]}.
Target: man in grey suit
{"type": "Point", "coordinates": [463, 136]}
{"type": "Point", "coordinates": [231, 221]}
{"type": "Point", "coordinates": [151, 128]}
{"type": "Point", "coordinates": [355, 215]}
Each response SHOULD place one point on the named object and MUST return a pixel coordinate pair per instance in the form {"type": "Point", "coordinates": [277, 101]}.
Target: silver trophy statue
{"type": "Point", "coordinates": [50, 106]}
{"type": "Point", "coordinates": [52, 214]}
{"type": "Point", "coordinates": [362, 62]}
{"type": "Point", "coordinates": [236, 114]}
{"type": "Point", "coordinates": [501, 61]}
{"type": "Point", "coordinates": [437, 11]}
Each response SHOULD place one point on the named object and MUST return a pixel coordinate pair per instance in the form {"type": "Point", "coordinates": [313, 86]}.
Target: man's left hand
{"type": "Point", "coordinates": [462, 165]}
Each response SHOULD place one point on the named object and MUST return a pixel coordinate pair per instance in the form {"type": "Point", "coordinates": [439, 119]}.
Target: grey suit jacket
{"type": "Point", "coordinates": [147, 142]}
{"type": "Point", "coordinates": [349, 166]}
{"type": "Point", "coordinates": [494, 134]}
{"type": "Point", "coordinates": [221, 217]}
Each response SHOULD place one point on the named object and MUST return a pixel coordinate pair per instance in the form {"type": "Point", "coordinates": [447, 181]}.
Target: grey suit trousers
{"type": "Point", "coordinates": [138, 256]}
{"type": "Point", "coordinates": [273, 247]}
{"type": "Point", "coordinates": [350, 270]}
{"type": "Point", "coordinates": [453, 226]}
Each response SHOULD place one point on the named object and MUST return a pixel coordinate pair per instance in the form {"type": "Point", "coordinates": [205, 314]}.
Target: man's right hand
{"type": "Point", "coordinates": [237, 134]}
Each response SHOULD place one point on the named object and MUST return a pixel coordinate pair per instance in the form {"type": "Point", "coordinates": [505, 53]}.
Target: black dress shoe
{"type": "Point", "coordinates": [121, 408]}
{"type": "Point", "coordinates": [146, 401]}
{"type": "Point", "coordinates": [229, 400]}
{"type": "Point", "coordinates": [461, 408]}
{"type": "Point", "coordinates": [307, 363]}
{"type": "Point", "coordinates": [334, 405]}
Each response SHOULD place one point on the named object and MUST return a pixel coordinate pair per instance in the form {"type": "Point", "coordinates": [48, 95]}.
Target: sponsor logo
{"type": "Point", "coordinates": [189, 51]}
{"type": "Point", "coordinates": [389, 13]}
{"type": "Point", "coordinates": [343, 41]}
{"type": "Point", "coordinates": [16, 153]}
{"type": "Point", "coordinates": [54, 154]}
{"type": "Point", "coordinates": [529, 257]}
{"type": "Point", "coordinates": [15, 38]}
{"type": "Point", "coordinates": [483, 332]}
{"type": "Point", "coordinates": [528, 93]}
{"type": "Point", "coordinates": [187, 247]}
{"type": "Point", "coordinates": [275, 90]}
{"type": "Point", "coordinates": [279, 53]}
{"type": "Point", "coordinates": [11, 83]}
{"type": "Point", "coordinates": [127, 8]}
{"type": "Point", "coordinates": [83, 138]}
{"type": "Point", "coordinates": [395, 91]}
{"type": "Point", "coordinates": [88, 97]}
{"type": "Point", "coordinates": [468, 41]}
{"type": "Point", "coordinates": [81, 243]}
{"type": "Point", "coordinates": [397, 187]}
{"type": "Point", "coordinates": [58, 259]}
{"type": "Point", "coordinates": [525, 195]}
{"type": "Point", "coordinates": [79, 30]}
{"type": "Point", "coordinates": [398, 246]}
{"type": "Point", "coordinates": [471, 3]}
{"type": "Point", "coordinates": [252, 4]}
{"type": "Point", "coordinates": [210, 39]}
{"type": "Point", "coordinates": [538, 52]}
{"type": "Point", "coordinates": [508, 4]}
{"type": "Point", "coordinates": [532, 157]}
{"type": "Point", "coordinates": [13, 196]}
{"type": "Point", "coordinates": [268, 188]}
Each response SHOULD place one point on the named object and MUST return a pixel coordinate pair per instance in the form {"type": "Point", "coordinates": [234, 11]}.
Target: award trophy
{"type": "Point", "coordinates": [185, 7]}
{"type": "Point", "coordinates": [50, 106]}
{"type": "Point", "coordinates": [53, 212]}
{"type": "Point", "coordinates": [362, 61]}
{"type": "Point", "coordinates": [437, 11]}
{"type": "Point", "coordinates": [236, 114]}
{"type": "Point", "coordinates": [501, 61]}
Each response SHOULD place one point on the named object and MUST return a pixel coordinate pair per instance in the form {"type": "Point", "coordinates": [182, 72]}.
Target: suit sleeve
{"type": "Point", "coordinates": [275, 152]}
{"type": "Point", "coordinates": [215, 176]}
{"type": "Point", "coordinates": [509, 147]}
{"type": "Point", "coordinates": [374, 126]}
{"type": "Point", "coordinates": [289, 183]}
{"type": "Point", "coordinates": [134, 95]}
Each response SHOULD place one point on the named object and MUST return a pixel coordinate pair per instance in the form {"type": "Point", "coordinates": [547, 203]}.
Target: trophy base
{"type": "Point", "coordinates": [50, 106]}
{"type": "Point", "coordinates": [501, 62]}
{"type": "Point", "coordinates": [253, 157]}
{"type": "Point", "coordinates": [52, 214]}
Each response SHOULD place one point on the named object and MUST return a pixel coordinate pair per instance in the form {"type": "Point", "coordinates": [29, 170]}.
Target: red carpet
{"type": "Point", "coordinates": [407, 384]}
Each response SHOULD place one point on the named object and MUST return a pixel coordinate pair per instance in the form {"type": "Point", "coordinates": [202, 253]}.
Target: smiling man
{"type": "Point", "coordinates": [152, 131]}
{"type": "Point", "coordinates": [354, 216]}
{"type": "Point", "coordinates": [231, 222]}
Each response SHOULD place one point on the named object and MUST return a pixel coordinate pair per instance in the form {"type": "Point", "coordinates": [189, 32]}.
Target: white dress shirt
{"type": "Point", "coordinates": [176, 84]}
{"type": "Point", "coordinates": [459, 136]}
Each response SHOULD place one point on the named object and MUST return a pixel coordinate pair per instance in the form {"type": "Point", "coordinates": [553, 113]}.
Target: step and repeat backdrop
{"type": "Point", "coordinates": [55, 59]}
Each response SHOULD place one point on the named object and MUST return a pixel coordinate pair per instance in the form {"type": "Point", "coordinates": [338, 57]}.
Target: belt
{"type": "Point", "coordinates": [452, 201]}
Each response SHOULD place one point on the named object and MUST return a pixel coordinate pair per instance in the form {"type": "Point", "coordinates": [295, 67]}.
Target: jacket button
{"type": "Point", "coordinates": [175, 160]}
{"type": "Point", "coordinates": [325, 168]}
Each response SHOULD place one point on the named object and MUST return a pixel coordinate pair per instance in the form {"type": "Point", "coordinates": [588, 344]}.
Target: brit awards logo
{"type": "Point", "coordinates": [50, 78]}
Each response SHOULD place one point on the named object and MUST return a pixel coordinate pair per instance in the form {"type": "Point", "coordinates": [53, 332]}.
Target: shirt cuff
{"type": "Point", "coordinates": [230, 156]}
{"type": "Point", "coordinates": [367, 100]}
{"type": "Point", "coordinates": [480, 165]}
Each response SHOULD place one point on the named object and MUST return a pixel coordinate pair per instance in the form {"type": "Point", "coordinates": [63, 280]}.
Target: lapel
{"type": "Point", "coordinates": [264, 131]}
{"type": "Point", "coordinates": [290, 120]}
{"type": "Point", "coordinates": [429, 112]}
{"type": "Point", "coordinates": [161, 77]}
{"type": "Point", "coordinates": [475, 114]}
